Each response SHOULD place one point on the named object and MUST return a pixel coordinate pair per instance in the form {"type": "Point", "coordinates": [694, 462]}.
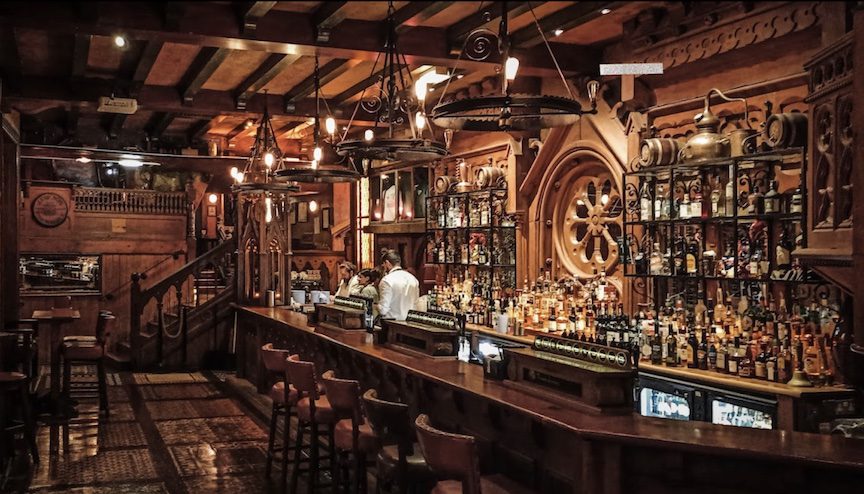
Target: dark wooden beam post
{"type": "Point", "coordinates": [266, 72]}
{"type": "Point", "coordinates": [144, 66]}
{"type": "Point", "coordinates": [236, 131]}
{"type": "Point", "coordinates": [306, 87]}
{"type": "Point", "coordinates": [326, 17]}
{"type": "Point", "coordinates": [416, 12]}
{"type": "Point", "coordinates": [251, 13]}
{"type": "Point", "coordinates": [199, 129]}
{"type": "Point", "coordinates": [207, 61]}
{"type": "Point", "coordinates": [158, 124]}
{"type": "Point", "coordinates": [80, 53]}
{"type": "Point", "coordinates": [565, 19]}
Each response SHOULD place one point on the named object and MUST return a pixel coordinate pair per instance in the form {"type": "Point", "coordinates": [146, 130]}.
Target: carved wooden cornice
{"type": "Point", "coordinates": [738, 31]}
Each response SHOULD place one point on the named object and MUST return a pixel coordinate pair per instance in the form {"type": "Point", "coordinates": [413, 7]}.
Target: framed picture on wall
{"type": "Point", "coordinates": [316, 225]}
{"type": "Point", "coordinates": [325, 217]}
{"type": "Point", "coordinates": [303, 212]}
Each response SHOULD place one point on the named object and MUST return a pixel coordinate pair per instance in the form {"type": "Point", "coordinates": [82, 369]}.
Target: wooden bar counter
{"type": "Point", "coordinates": [560, 449]}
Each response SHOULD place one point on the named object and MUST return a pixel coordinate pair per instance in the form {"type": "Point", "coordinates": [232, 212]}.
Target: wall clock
{"type": "Point", "coordinates": [50, 209]}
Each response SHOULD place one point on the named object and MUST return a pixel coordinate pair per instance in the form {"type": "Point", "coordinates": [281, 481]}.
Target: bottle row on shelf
{"type": "Point", "coordinates": [470, 210]}
{"type": "Point", "coordinates": [476, 248]}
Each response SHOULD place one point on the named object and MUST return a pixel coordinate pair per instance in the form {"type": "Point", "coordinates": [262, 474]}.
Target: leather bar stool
{"type": "Point", "coordinates": [313, 411]}
{"type": "Point", "coordinates": [284, 396]}
{"type": "Point", "coordinates": [355, 440]}
{"type": "Point", "coordinates": [454, 456]}
{"type": "Point", "coordinates": [31, 328]}
{"type": "Point", "coordinates": [16, 348]}
{"type": "Point", "coordinates": [399, 459]}
{"type": "Point", "coordinates": [89, 352]}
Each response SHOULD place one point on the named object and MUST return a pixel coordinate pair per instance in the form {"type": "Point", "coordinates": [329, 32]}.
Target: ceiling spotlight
{"type": "Point", "coordinates": [368, 135]}
{"type": "Point", "coordinates": [119, 41]}
{"type": "Point", "coordinates": [559, 32]}
{"type": "Point", "coordinates": [212, 198]}
{"type": "Point", "coordinates": [234, 172]}
{"type": "Point", "coordinates": [83, 159]}
{"type": "Point", "coordinates": [248, 123]}
{"type": "Point", "coordinates": [313, 206]}
{"type": "Point", "coordinates": [605, 11]}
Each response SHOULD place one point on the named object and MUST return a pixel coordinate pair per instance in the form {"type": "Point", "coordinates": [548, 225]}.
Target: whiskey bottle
{"type": "Point", "coordinates": [684, 207]}
{"type": "Point", "coordinates": [696, 209]}
{"type": "Point", "coordinates": [771, 371]}
{"type": "Point", "coordinates": [772, 199]}
{"type": "Point", "coordinates": [796, 202]}
{"type": "Point", "coordinates": [702, 353]}
{"type": "Point", "coordinates": [656, 349]}
{"type": "Point", "coordinates": [693, 352]}
{"type": "Point", "coordinates": [717, 204]}
{"type": "Point", "coordinates": [761, 363]}
{"type": "Point", "coordinates": [712, 355]}
{"type": "Point", "coordinates": [734, 358]}
{"type": "Point", "coordinates": [729, 199]}
{"type": "Point", "coordinates": [645, 203]}
{"type": "Point", "coordinates": [671, 350]}
{"type": "Point", "coordinates": [692, 258]}
{"type": "Point", "coordinates": [722, 356]}
{"type": "Point", "coordinates": [679, 259]}
{"type": "Point", "coordinates": [747, 365]}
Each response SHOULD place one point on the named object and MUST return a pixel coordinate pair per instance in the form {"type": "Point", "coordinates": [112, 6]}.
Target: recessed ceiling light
{"type": "Point", "coordinates": [559, 32]}
{"type": "Point", "coordinates": [120, 41]}
{"type": "Point", "coordinates": [605, 11]}
{"type": "Point", "coordinates": [460, 76]}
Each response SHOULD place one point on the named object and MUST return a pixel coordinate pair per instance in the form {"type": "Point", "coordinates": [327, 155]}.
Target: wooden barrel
{"type": "Point", "coordinates": [443, 184]}
{"type": "Point", "coordinates": [658, 151]}
{"type": "Point", "coordinates": [786, 130]}
{"type": "Point", "coordinates": [489, 176]}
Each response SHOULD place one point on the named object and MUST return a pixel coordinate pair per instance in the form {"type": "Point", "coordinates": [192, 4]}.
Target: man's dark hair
{"type": "Point", "coordinates": [372, 274]}
{"type": "Point", "coordinates": [392, 256]}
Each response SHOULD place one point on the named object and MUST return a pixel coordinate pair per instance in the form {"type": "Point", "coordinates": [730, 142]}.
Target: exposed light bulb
{"type": "Point", "coordinates": [314, 164]}
{"type": "Point", "coordinates": [313, 206]}
{"type": "Point", "coordinates": [605, 11]}
{"type": "Point", "coordinates": [316, 154]}
{"type": "Point", "coordinates": [248, 123]}
{"type": "Point", "coordinates": [119, 41]}
{"type": "Point", "coordinates": [268, 159]}
{"type": "Point", "coordinates": [130, 163]}
{"type": "Point", "coordinates": [511, 67]}
{"type": "Point", "coordinates": [239, 177]}
{"type": "Point", "coordinates": [420, 120]}
{"type": "Point", "coordinates": [604, 199]}
{"type": "Point", "coordinates": [330, 125]}
{"type": "Point", "coordinates": [234, 172]}
{"type": "Point", "coordinates": [368, 135]}
{"type": "Point", "coordinates": [268, 214]}
{"type": "Point", "coordinates": [83, 159]}
{"type": "Point", "coordinates": [420, 90]}
{"type": "Point", "coordinates": [377, 215]}
{"type": "Point", "coordinates": [212, 198]}
{"type": "Point", "coordinates": [559, 32]}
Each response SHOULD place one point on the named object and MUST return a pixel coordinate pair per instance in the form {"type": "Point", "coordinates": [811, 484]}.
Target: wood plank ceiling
{"type": "Point", "coordinates": [203, 71]}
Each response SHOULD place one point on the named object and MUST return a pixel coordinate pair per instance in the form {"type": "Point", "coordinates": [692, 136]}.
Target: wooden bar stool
{"type": "Point", "coordinates": [355, 440]}
{"type": "Point", "coordinates": [87, 351]}
{"type": "Point", "coordinates": [313, 410]}
{"type": "Point", "coordinates": [399, 459]}
{"type": "Point", "coordinates": [454, 456]}
{"type": "Point", "coordinates": [284, 396]}
{"type": "Point", "coordinates": [15, 377]}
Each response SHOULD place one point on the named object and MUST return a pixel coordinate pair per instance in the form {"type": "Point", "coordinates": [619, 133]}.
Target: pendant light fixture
{"type": "Point", "coordinates": [326, 165]}
{"type": "Point", "coordinates": [265, 163]}
{"type": "Point", "coordinates": [401, 131]}
{"type": "Point", "coordinates": [508, 111]}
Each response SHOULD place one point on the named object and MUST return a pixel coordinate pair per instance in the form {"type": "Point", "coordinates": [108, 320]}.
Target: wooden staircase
{"type": "Point", "coordinates": [185, 320]}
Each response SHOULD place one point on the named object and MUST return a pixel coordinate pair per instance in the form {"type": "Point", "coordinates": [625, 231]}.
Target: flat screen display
{"type": "Point", "coordinates": [654, 403]}
{"type": "Point", "coordinates": [725, 413]}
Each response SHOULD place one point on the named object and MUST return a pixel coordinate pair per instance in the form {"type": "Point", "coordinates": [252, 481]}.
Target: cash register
{"type": "Point", "coordinates": [347, 317]}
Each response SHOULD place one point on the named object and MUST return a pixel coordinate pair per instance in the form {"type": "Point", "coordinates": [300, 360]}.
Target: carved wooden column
{"type": "Point", "coordinates": [858, 205]}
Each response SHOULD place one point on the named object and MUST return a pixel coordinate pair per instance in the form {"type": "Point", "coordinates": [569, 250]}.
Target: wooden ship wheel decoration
{"type": "Point", "coordinates": [587, 224]}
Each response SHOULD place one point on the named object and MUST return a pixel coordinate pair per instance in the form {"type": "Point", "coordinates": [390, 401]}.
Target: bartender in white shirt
{"type": "Point", "coordinates": [348, 281]}
{"type": "Point", "coordinates": [399, 289]}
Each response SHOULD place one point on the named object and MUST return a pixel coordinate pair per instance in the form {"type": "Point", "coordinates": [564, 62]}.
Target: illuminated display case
{"type": "Point", "coordinates": [60, 273]}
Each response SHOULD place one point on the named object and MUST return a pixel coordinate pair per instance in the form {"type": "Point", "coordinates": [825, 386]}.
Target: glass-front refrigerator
{"type": "Point", "coordinates": [663, 397]}
{"type": "Point", "coordinates": [728, 408]}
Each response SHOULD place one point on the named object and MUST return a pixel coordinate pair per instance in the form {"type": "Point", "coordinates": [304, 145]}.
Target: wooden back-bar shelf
{"type": "Point", "coordinates": [346, 316]}
{"type": "Point", "coordinates": [592, 377]}
{"type": "Point", "coordinates": [430, 334]}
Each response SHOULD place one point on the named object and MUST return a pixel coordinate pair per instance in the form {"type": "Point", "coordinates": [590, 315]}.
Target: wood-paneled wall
{"type": "Point", "coordinates": [9, 173]}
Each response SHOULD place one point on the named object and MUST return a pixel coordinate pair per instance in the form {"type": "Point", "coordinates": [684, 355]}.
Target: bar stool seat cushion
{"type": "Point", "coordinates": [75, 351]}
{"type": "Point", "coordinates": [367, 442]}
{"type": "Point", "coordinates": [323, 411]}
{"type": "Point", "coordinates": [12, 377]}
{"type": "Point", "coordinates": [489, 484]}
{"type": "Point", "coordinates": [277, 394]}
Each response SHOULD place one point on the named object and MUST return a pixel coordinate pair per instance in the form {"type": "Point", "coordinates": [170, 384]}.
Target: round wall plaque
{"type": "Point", "coordinates": [50, 209]}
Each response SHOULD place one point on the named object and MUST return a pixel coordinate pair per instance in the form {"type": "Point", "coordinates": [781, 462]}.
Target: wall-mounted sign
{"type": "Point", "coordinates": [50, 209]}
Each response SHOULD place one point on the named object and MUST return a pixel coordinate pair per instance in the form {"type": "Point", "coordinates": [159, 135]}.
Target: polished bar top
{"type": "Point", "coordinates": [633, 428]}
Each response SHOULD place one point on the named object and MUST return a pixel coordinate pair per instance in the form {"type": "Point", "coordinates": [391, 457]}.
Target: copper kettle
{"type": "Point", "coordinates": [708, 143]}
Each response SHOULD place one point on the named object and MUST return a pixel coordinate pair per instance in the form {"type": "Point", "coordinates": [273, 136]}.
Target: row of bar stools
{"type": "Point", "coordinates": [454, 456]}
{"type": "Point", "coordinates": [284, 397]}
{"type": "Point", "coordinates": [88, 350]}
{"type": "Point", "coordinates": [354, 438]}
{"type": "Point", "coordinates": [16, 348]}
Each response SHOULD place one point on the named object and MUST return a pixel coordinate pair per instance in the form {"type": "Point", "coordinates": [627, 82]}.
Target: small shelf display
{"type": "Point", "coordinates": [473, 241]}
{"type": "Point", "coordinates": [60, 274]}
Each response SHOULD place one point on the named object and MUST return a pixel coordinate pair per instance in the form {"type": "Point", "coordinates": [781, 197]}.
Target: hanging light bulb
{"type": "Point", "coordinates": [604, 199]}
{"type": "Point", "coordinates": [330, 125]}
{"type": "Point", "coordinates": [316, 153]}
{"type": "Point", "coordinates": [420, 120]}
{"type": "Point", "coordinates": [268, 214]}
{"type": "Point", "coordinates": [268, 159]}
{"type": "Point", "coordinates": [239, 177]}
{"type": "Point", "coordinates": [314, 164]}
{"type": "Point", "coordinates": [420, 90]}
{"type": "Point", "coordinates": [511, 67]}
{"type": "Point", "coordinates": [313, 206]}
{"type": "Point", "coordinates": [234, 172]}
{"type": "Point", "coordinates": [368, 135]}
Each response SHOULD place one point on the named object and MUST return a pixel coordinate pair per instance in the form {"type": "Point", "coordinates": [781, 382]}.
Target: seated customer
{"type": "Point", "coordinates": [366, 287]}
{"type": "Point", "coordinates": [399, 289]}
{"type": "Point", "coordinates": [347, 279]}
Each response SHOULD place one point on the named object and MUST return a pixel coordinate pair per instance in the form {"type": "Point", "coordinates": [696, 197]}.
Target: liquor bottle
{"type": "Point", "coordinates": [772, 199]}
{"type": "Point", "coordinates": [796, 203]}
{"type": "Point", "coordinates": [656, 349]}
{"type": "Point", "coordinates": [734, 358]}
{"type": "Point", "coordinates": [484, 213]}
{"type": "Point", "coordinates": [659, 203]}
{"type": "Point", "coordinates": [693, 352]}
{"type": "Point", "coordinates": [646, 212]}
{"type": "Point", "coordinates": [712, 355]}
{"type": "Point", "coordinates": [771, 371]}
{"type": "Point", "coordinates": [551, 324]}
{"type": "Point", "coordinates": [679, 259]}
{"type": "Point", "coordinates": [811, 358]}
{"type": "Point", "coordinates": [717, 204]}
{"type": "Point", "coordinates": [782, 258]}
{"type": "Point", "coordinates": [692, 258]}
{"type": "Point", "coordinates": [755, 202]}
{"type": "Point", "coordinates": [747, 365]}
{"type": "Point", "coordinates": [696, 209]}
{"type": "Point", "coordinates": [722, 356]}
{"type": "Point", "coordinates": [702, 353]}
{"type": "Point", "coordinates": [671, 350]}
{"type": "Point", "coordinates": [685, 353]}
{"type": "Point", "coordinates": [761, 363]}
{"type": "Point", "coordinates": [684, 207]}
{"type": "Point", "coordinates": [656, 261]}
{"type": "Point", "coordinates": [729, 206]}
{"type": "Point", "coordinates": [561, 321]}
{"type": "Point", "coordinates": [571, 324]}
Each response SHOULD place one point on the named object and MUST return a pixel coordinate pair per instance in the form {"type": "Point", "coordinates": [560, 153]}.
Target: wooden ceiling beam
{"type": "Point", "coordinates": [236, 131]}
{"type": "Point", "coordinates": [415, 13]}
{"type": "Point", "coordinates": [159, 124]}
{"type": "Point", "coordinates": [328, 16]}
{"type": "Point", "coordinates": [144, 66]}
{"type": "Point", "coordinates": [266, 72]}
{"type": "Point", "coordinates": [199, 129]}
{"type": "Point", "coordinates": [251, 13]}
{"type": "Point", "coordinates": [207, 61]}
{"type": "Point", "coordinates": [80, 54]}
{"type": "Point", "coordinates": [215, 25]}
{"type": "Point", "coordinates": [456, 33]}
{"type": "Point", "coordinates": [360, 86]}
{"type": "Point", "coordinates": [306, 87]}
{"type": "Point", "coordinates": [565, 19]}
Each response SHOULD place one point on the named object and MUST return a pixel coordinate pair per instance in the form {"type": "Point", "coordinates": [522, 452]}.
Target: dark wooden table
{"type": "Point", "coordinates": [56, 318]}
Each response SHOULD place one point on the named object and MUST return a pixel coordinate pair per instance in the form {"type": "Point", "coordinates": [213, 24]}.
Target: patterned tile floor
{"type": "Point", "coordinates": [167, 433]}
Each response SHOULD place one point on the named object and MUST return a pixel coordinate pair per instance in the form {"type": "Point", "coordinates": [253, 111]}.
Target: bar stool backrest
{"type": "Point", "coordinates": [390, 421]}
{"type": "Point", "coordinates": [450, 455]}
{"type": "Point", "coordinates": [344, 396]}
{"type": "Point", "coordinates": [302, 376]}
{"type": "Point", "coordinates": [274, 359]}
{"type": "Point", "coordinates": [104, 324]}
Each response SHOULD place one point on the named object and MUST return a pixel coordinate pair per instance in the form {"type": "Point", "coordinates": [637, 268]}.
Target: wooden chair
{"type": "Point", "coordinates": [89, 352]}
{"type": "Point", "coordinates": [15, 377]}
{"type": "Point", "coordinates": [355, 440]}
{"type": "Point", "coordinates": [313, 410]}
{"type": "Point", "coordinates": [399, 459]}
{"type": "Point", "coordinates": [284, 396]}
{"type": "Point", "coordinates": [454, 456]}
